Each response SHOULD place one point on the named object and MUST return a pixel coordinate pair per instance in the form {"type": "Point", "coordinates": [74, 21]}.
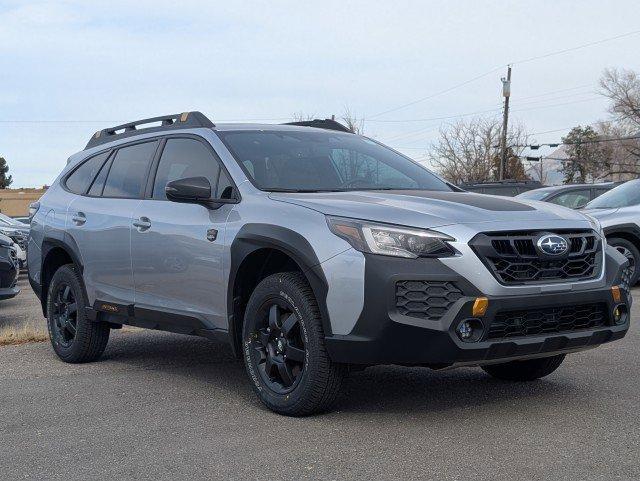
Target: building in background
{"type": "Point", "coordinates": [15, 202]}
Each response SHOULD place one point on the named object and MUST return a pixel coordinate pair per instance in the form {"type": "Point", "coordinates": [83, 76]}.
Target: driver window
{"type": "Point", "coordinates": [182, 158]}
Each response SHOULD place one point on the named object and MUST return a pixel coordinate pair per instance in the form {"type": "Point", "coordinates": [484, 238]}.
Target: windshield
{"type": "Point", "coordinates": [621, 196]}
{"type": "Point", "coordinates": [536, 194]}
{"type": "Point", "coordinates": [296, 161]}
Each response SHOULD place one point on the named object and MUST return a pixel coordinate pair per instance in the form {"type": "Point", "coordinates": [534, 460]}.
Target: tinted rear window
{"type": "Point", "coordinates": [79, 180]}
{"type": "Point", "coordinates": [128, 172]}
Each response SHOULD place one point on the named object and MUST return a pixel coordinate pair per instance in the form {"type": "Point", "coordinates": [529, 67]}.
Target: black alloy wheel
{"type": "Point", "coordinates": [278, 347]}
{"type": "Point", "coordinates": [65, 315]}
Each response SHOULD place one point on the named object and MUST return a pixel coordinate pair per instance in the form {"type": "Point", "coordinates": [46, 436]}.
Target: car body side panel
{"type": "Point", "coordinates": [176, 267]}
{"type": "Point", "coordinates": [48, 223]}
{"type": "Point", "coordinates": [345, 297]}
{"type": "Point", "coordinates": [104, 243]}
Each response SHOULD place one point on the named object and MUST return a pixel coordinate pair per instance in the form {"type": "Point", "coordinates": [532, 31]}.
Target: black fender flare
{"type": "Point", "coordinates": [630, 228]}
{"type": "Point", "coordinates": [70, 246]}
{"type": "Point", "coordinates": [255, 236]}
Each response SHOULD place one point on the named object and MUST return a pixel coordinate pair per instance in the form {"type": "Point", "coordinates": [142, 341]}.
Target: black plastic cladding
{"type": "Point", "coordinates": [168, 122]}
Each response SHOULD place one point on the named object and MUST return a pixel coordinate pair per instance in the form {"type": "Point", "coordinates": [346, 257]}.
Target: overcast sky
{"type": "Point", "coordinates": [70, 68]}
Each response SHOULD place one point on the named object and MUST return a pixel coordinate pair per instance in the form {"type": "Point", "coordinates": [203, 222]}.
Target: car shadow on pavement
{"type": "Point", "coordinates": [382, 389]}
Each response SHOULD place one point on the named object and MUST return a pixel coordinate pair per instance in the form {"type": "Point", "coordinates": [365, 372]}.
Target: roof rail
{"type": "Point", "coordinates": [328, 124]}
{"type": "Point", "coordinates": [168, 122]}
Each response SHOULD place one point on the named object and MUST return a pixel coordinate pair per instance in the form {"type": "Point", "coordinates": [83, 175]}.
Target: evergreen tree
{"type": "Point", "coordinates": [5, 180]}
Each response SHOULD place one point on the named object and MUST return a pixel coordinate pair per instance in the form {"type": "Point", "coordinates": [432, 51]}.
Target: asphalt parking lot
{"type": "Point", "coordinates": [163, 406]}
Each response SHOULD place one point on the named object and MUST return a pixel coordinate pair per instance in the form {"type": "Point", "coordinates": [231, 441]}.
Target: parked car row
{"type": "Point", "coordinates": [18, 232]}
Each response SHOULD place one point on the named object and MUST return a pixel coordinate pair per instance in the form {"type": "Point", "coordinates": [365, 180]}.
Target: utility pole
{"type": "Point", "coordinates": [506, 93]}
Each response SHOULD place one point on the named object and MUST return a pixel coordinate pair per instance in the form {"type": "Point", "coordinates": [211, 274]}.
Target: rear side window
{"type": "Point", "coordinates": [79, 180]}
{"type": "Point", "coordinates": [128, 172]}
{"type": "Point", "coordinates": [183, 158]}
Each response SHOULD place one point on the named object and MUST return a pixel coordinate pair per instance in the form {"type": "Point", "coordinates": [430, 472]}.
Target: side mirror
{"type": "Point", "coordinates": [191, 189]}
{"type": "Point", "coordinates": [197, 190]}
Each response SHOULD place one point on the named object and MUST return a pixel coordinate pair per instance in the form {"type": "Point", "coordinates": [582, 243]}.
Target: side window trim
{"type": "Point", "coordinates": [80, 164]}
{"type": "Point", "coordinates": [107, 165]}
{"type": "Point", "coordinates": [148, 194]}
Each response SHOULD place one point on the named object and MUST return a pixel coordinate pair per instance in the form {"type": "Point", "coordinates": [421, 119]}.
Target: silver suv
{"type": "Point", "coordinates": [618, 211]}
{"type": "Point", "coordinates": [310, 249]}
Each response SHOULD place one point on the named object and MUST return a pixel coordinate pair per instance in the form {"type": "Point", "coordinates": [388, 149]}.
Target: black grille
{"type": "Point", "coordinates": [513, 257]}
{"type": "Point", "coordinates": [426, 299]}
{"type": "Point", "coordinates": [547, 320]}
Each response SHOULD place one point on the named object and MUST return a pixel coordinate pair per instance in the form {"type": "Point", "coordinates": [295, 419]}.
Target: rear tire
{"type": "Point", "coordinates": [283, 348]}
{"type": "Point", "coordinates": [630, 251]}
{"type": "Point", "coordinates": [74, 338]}
{"type": "Point", "coordinates": [528, 370]}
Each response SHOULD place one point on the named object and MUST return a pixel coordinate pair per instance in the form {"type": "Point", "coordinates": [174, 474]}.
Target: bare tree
{"type": "Point", "coordinates": [352, 122]}
{"type": "Point", "coordinates": [467, 151]}
{"type": "Point", "coordinates": [622, 88]}
{"type": "Point", "coordinates": [303, 117]}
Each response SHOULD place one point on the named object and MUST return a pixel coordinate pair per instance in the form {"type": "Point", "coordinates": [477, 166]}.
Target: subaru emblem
{"type": "Point", "coordinates": [553, 245]}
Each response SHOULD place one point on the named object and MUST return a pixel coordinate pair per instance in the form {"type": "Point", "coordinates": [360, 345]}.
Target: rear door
{"type": "Point", "coordinates": [99, 222]}
{"type": "Point", "coordinates": [177, 248]}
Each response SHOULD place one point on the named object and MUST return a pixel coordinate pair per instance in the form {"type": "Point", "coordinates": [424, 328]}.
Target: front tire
{"type": "Point", "coordinates": [528, 370]}
{"type": "Point", "coordinates": [74, 338]}
{"type": "Point", "coordinates": [630, 251]}
{"type": "Point", "coordinates": [283, 347]}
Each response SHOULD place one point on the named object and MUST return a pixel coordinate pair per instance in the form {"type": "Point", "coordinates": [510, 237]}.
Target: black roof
{"type": "Point", "coordinates": [328, 124]}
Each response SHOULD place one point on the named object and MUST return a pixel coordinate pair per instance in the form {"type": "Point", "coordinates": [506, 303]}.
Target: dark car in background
{"type": "Point", "coordinates": [8, 268]}
{"type": "Point", "coordinates": [507, 188]}
{"type": "Point", "coordinates": [574, 196]}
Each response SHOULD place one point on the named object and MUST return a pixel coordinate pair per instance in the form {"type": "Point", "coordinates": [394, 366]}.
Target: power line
{"type": "Point", "coordinates": [441, 92]}
{"type": "Point", "coordinates": [594, 141]}
{"type": "Point", "coordinates": [62, 121]}
{"type": "Point", "coordinates": [478, 77]}
{"type": "Point", "coordinates": [556, 91]}
{"type": "Point", "coordinates": [578, 47]}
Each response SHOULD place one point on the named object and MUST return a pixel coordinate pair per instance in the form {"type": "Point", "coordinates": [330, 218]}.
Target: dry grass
{"type": "Point", "coordinates": [22, 335]}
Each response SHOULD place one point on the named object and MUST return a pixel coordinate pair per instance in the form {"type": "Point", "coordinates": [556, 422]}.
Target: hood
{"type": "Point", "coordinates": [428, 208]}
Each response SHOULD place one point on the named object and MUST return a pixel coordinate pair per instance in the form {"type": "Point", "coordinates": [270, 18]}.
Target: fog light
{"type": "Point", "coordinates": [620, 314]}
{"type": "Point", "coordinates": [470, 330]}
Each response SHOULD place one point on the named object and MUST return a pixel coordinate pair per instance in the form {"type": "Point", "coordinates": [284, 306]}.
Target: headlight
{"type": "Point", "coordinates": [8, 233]}
{"type": "Point", "coordinates": [390, 240]}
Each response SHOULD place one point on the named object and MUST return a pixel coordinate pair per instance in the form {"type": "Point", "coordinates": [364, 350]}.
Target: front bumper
{"type": "Point", "coordinates": [384, 335]}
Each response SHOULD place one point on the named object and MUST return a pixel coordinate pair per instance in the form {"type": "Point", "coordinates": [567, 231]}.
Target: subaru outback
{"type": "Point", "coordinates": [311, 250]}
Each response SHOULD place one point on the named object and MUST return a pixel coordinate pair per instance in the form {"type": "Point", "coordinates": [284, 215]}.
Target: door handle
{"type": "Point", "coordinates": [79, 218]}
{"type": "Point", "coordinates": [142, 224]}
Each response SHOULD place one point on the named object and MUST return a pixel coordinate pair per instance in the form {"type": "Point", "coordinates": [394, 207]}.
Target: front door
{"type": "Point", "coordinates": [177, 248]}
